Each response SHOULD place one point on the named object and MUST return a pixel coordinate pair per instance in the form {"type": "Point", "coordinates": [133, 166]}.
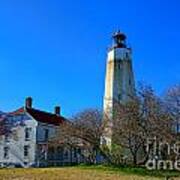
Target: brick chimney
{"type": "Point", "coordinates": [28, 102]}
{"type": "Point", "coordinates": [57, 110]}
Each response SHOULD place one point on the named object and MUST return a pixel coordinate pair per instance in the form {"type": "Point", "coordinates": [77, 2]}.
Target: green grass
{"type": "Point", "coordinates": [132, 170]}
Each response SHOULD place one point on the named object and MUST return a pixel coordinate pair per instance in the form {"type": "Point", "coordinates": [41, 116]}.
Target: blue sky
{"type": "Point", "coordinates": [55, 50]}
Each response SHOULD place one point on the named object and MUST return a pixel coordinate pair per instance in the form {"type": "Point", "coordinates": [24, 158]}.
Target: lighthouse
{"type": "Point", "coordinates": [119, 81]}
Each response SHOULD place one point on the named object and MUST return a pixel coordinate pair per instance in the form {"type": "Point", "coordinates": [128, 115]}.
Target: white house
{"type": "Point", "coordinates": [24, 142]}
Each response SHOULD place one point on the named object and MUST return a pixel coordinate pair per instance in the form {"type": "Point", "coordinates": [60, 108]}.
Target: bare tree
{"type": "Point", "coordinates": [84, 131]}
{"type": "Point", "coordinates": [144, 117]}
{"type": "Point", "coordinates": [141, 118]}
{"type": "Point", "coordinates": [172, 99]}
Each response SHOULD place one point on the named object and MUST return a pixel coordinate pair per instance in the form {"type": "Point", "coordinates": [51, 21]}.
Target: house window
{"type": "Point", "coordinates": [178, 127]}
{"type": "Point", "coordinates": [6, 138]}
{"type": "Point", "coordinates": [119, 66]}
{"type": "Point", "coordinates": [27, 134]}
{"type": "Point", "coordinates": [66, 154]}
{"type": "Point", "coordinates": [75, 153]}
{"type": "Point", "coordinates": [127, 55]}
{"type": "Point", "coordinates": [60, 152]}
{"type": "Point", "coordinates": [51, 153]}
{"type": "Point", "coordinates": [119, 97]}
{"type": "Point", "coordinates": [6, 152]}
{"type": "Point", "coordinates": [26, 151]}
{"type": "Point", "coordinates": [46, 135]}
{"type": "Point", "coordinates": [79, 151]}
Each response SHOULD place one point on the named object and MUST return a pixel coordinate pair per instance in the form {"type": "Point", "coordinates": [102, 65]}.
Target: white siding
{"type": "Point", "coordinates": [16, 145]}
{"type": "Point", "coordinates": [41, 130]}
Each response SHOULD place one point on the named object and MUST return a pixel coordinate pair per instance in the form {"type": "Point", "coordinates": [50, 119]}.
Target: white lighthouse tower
{"type": "Point", "coordinates": [119, 83]}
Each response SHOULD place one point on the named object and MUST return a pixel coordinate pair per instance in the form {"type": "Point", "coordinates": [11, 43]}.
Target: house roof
{"type": "Point", "coordinates": [40, 116]}
{"type": "Point", "coordinates": [1, 119]}
{"type": "Point", "coordinates": [18, 111]}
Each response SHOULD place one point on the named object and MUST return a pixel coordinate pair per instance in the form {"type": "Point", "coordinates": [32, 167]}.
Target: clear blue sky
{"type": "Point", "coordinates": [55, 50]}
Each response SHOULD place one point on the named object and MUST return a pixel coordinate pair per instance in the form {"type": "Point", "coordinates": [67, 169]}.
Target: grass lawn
{"type": "Point", "coordinates": [84, 173]}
